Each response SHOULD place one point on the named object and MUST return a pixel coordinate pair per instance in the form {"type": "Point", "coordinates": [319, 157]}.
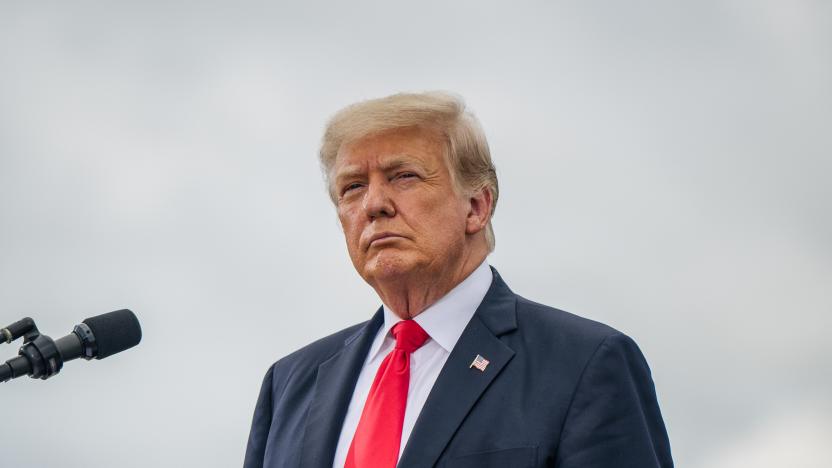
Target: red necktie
{"type": "Point", "coordinates": [379, 432]}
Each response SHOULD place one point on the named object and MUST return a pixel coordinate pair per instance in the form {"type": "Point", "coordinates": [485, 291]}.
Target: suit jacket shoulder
{"type": "Point", "coordinates": [553, 333]}
{"type": "Point", "coordinates": [558, 326]}
{"type": "Point", "coordinates": [310, 383]}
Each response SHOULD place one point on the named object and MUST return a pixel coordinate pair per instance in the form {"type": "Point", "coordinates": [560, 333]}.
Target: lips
{"type": "Point", "coordinates": [381, 236]}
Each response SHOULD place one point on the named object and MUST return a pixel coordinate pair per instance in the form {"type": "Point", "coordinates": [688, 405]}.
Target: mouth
{"type": "Point", "coordinates": [383, 237]}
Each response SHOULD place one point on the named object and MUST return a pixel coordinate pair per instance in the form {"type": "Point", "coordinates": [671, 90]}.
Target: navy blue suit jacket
{"type": "Point", "coordinates": [559, 391]}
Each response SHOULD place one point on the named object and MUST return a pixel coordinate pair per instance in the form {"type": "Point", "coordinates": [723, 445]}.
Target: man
{"type": "Point", "coordinates": [454, 369]}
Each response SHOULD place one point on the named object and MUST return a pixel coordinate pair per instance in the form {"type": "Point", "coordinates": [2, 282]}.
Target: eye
{"type": "Point", "coordinates": [350, 187]}
{"type": "Point", "coordinates": [406, 175]}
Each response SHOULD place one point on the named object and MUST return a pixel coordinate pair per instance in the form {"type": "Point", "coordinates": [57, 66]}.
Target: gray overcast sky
{"type": "Point", "coordinates": [664, 168]}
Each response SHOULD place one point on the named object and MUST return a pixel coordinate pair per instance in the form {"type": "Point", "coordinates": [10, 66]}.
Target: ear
{"type": "Point", "coordinates": [479, 212]}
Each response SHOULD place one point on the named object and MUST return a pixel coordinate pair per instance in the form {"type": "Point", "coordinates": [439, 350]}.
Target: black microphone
{"type": "Point", "coordinates": [97, 337]}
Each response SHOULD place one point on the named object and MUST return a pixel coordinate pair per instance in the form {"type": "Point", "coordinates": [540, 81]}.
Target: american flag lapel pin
{"type": "Point", "coordinates": [480, 363]}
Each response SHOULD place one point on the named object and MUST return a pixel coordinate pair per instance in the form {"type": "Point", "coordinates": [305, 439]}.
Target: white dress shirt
{"type": "Point", "coordinates": [444, 322]}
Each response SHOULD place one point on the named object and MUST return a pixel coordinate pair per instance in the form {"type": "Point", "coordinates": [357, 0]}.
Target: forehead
{"type": "Point", "coordinates": [393, 147]}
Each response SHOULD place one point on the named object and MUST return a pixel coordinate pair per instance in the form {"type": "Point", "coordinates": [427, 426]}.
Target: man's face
{"type": "Point", "coordinates": [398, 207]}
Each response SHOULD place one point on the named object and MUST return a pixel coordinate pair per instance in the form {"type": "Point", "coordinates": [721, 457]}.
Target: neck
{"type": "Point", "coordinates": [409, 297]}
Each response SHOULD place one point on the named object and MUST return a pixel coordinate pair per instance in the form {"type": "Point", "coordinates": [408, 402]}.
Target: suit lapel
{"type": "Point", "coordinates": [333, 390]}
{"type": "Point", "coordinates": [459, 385]}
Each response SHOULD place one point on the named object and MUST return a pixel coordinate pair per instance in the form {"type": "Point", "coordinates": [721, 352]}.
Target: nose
{"type": "Point", "coordinates": [377, 202]}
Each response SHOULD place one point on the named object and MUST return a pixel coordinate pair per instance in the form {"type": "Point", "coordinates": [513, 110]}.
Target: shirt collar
{"type": "Point", "coordinates": [445, 319]}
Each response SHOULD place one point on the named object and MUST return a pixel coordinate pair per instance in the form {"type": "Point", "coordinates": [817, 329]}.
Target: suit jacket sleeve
{"type": "Point", "coordinates": [260, 425]}
{"type": "Point", "coordinates": [614, 417]}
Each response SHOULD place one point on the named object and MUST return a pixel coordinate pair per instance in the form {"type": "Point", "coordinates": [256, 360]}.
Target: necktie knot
{"type": "Point", "coordinates": [409, 335]}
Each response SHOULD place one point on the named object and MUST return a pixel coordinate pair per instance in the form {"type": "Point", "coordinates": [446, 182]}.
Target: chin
{"type": "Point", "coordinates": [387, 266]}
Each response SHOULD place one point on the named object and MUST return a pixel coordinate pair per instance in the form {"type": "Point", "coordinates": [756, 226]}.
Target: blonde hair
{"type": "Point", "coordinates": [467, 151]}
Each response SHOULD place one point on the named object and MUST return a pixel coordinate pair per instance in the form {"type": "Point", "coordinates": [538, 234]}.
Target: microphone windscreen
{"type": "Point", "coordinates": [114, 332]}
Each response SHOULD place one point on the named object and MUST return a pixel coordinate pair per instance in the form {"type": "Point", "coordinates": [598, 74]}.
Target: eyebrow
{"type": "Point", "coordinates": [391, 163]}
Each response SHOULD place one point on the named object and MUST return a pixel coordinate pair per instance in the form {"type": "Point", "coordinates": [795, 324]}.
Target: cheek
{"type": "Point", "coordinates": [443, 223]}
{"type": "Point", "coordinates": [348, 226]}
